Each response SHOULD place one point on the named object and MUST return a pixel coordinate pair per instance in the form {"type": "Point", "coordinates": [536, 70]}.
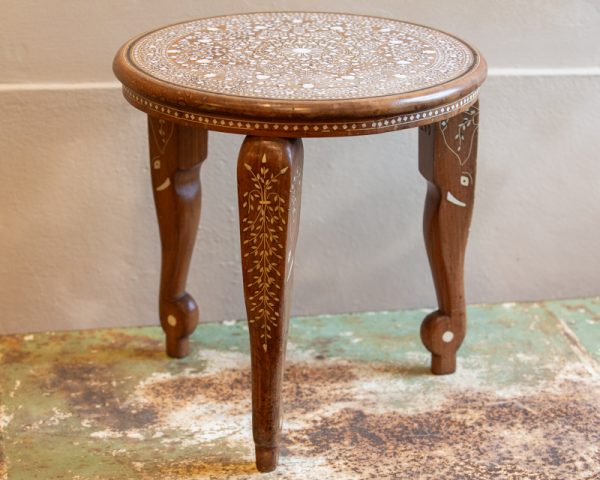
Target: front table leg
{"type": "Point", "coordinates": [447, 159]}
{"type": "Point", "coordinates": [269, 180]}
{"type": "Point", "coordinates": [176, 153]}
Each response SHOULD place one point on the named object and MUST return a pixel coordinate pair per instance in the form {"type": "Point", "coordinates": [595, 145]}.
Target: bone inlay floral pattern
{"type": "Point", "coordinates": [264, 222]}
{"type": "Point", "coordinates": [459, 138]}
{"type": "Point", "coordinates": [468, 126]}
{"type": "Point", "coordinates": [299, 55]}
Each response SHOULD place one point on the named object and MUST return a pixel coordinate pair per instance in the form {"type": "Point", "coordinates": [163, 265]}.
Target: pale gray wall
{"type": "Point", "coordinates": [78, 236]}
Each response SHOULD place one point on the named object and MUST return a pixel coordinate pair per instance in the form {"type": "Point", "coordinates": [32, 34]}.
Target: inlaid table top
{"type": "Point", "coordinates": [300, 74]}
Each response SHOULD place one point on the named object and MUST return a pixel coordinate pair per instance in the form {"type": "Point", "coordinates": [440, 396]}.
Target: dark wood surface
{"type": "Point", "coordinates": [269, 176]}
{"type": "Point", "coordinates": [269, 183]}
{"type": "Point", "coordinates": [176, 153]}
{"type": "Point", "coordinates": [275, 116]}
{"type": "Point", "coordinates": [448, 160]}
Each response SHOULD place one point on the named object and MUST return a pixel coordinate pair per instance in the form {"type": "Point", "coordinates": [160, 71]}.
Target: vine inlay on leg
{"type": "Point", "coordinates": [269, 179]}
{"type": "Point", "coordinates": [264, 226]}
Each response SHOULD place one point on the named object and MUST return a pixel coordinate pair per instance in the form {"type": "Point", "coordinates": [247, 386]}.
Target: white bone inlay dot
{"type": "Point", "coordinates": [171, 320]}
{"type": "Point", "coordinates": [448, 336]}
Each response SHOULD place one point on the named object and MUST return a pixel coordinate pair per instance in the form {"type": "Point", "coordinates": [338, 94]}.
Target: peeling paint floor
{"type": "Point", "coordinates": [360, 402]}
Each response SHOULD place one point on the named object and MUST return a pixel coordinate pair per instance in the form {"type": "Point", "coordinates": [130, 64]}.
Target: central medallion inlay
{"type": "Point", "coordinates": [296, 55]}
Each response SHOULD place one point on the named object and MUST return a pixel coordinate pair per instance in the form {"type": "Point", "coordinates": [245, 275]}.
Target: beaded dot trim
{"type": "Point", "coordinates": [332, 129]}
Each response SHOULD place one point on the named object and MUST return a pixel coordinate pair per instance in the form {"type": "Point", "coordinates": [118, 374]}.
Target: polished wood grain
{"type": "Point", "coordinates": [447, 159]}
{"type": "Point", "coordinates": [269, 186]}
{"type": "Point", "coordinates": [176, 153]}
{"type": "Point", "coordinates": [283, 117]}
{"type": "Point", "coordinates": [160, 81]}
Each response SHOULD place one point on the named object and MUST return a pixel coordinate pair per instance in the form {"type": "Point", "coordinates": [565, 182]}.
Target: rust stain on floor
{"type": "Point", "coordinates": [360, 402]}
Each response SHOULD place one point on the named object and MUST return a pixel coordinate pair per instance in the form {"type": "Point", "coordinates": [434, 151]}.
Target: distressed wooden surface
{"type": "Point", "coordinates": [361, 403]}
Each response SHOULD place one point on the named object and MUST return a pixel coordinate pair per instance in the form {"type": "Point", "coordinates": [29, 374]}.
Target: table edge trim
{"type": "Point", "coordinates": [262, 126]}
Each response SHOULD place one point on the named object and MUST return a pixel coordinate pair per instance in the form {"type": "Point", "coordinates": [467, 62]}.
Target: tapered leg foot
{"type": "Point", "coordinates": [176, 153]}
{"type": "Point", "coordinates": [447, 159]}
{"type": "Point", "coordinates": [266, 458]}
{"type": "Point", "coordinates": [269, 179]}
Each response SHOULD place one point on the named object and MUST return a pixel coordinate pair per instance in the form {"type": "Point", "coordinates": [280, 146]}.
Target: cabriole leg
{"type": "Point", "coordinates": [269, 181]}
{"type": "Point", "coordinates": [447, 159]}
{"type": "Point", "coordinates": [176, 153]}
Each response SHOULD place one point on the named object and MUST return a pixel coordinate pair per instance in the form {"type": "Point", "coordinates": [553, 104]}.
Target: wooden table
{"type": "Point", "coordinates": [278, 77]}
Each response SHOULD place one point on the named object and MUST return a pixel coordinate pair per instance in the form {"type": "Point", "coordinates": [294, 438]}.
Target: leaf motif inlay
{"type": "Point", "coordinates": [468, 126]}
{"type": "Point", "coordinates": [263, 225]}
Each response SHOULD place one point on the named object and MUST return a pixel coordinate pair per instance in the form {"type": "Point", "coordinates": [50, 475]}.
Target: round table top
{"type": "Point", "coordinates": [262, 72]}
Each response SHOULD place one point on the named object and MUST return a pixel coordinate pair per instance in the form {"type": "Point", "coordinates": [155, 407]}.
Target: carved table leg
{"type": "Point", "coordinates": [269, 181]}
{"type": "Point", "coordinates": [176, 153]}
{"type": "Point", "coordinates": [447, 159]}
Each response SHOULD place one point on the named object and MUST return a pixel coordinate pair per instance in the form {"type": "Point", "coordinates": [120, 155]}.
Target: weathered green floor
{"type": "Point", "coordinates": [360, 402]}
